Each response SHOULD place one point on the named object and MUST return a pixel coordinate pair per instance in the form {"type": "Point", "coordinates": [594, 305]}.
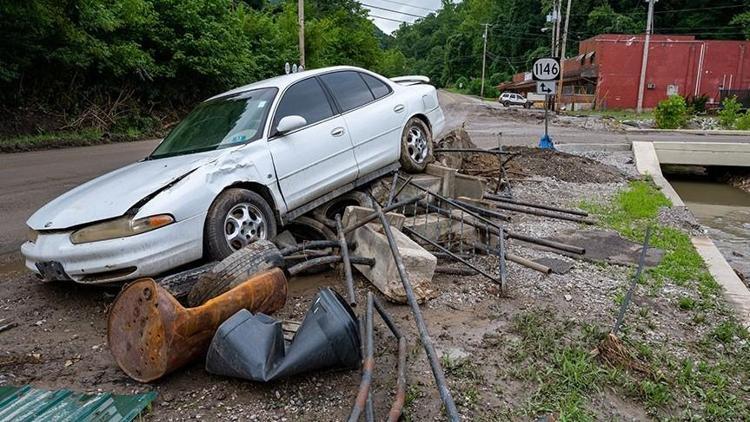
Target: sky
{"type": "Point", "coordinates": [388, 14]}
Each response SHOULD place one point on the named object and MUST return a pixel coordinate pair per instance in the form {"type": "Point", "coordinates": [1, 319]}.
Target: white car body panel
{"type": "Point", "coordinates": [294, 169]}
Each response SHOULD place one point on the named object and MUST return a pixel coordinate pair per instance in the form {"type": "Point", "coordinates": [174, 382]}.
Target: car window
{"type": "Point", "coordinates": [219, 123]}
{"type": "Point", "coordinates": [306, 99]}
{"type": "Point", "coordinates": [378, 88]}
{"type": "Point", "coordinates": [349, 90]}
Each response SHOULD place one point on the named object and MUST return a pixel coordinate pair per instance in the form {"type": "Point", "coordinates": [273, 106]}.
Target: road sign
{"type": "Point", "coordinates": [287, 68]}
{"type": "Point", "coordinates": [546, 87]}
{"type": "Point", "coordinates": [547, 69]}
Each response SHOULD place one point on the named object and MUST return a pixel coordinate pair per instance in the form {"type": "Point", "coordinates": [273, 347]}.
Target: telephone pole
{"type": "Point", "coordinates": [562, 58]}
{"type": "Point", "coordinates": [301, 16]}
{"type": "Point", "coordinates": [558, 21]}
{"type": "Point", "coordinates": [644, 62]}
{"type": "Point", "coordinates": [484, 58]}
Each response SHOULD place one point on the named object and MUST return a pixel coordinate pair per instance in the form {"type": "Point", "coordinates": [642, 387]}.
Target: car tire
{"type": "Point", "coordinates": [326, 213]}
{"type": "Point", "coordinates": [180, 284]}
{"type": "Point", "coordinates": [234, 270]}
{"type": "Point", "coordinates": [244, 212]}
{"type": "Point", "coordinates": [506, 104]}
{"type": "Point", "coordinates": [527, 106]}
{"type": "Point", "coordinates": [416, 146]}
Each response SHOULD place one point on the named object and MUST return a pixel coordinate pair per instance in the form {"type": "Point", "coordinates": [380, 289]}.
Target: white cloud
{"type": "Point", "coordinates": [396, 11]}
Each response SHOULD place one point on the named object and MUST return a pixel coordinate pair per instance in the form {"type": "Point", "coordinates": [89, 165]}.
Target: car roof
{"type": "Point", "coordinates": [283, 81]}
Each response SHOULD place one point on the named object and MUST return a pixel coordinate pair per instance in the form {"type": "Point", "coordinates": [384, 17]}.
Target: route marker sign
{"type": "Point", "coordinates": [546, 69]}
{"type": "Point", "coordinates": [546, 87]}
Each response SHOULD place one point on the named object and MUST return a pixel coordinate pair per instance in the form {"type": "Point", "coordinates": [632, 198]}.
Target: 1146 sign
{"type": "Point", "coordinates": [547, 69]}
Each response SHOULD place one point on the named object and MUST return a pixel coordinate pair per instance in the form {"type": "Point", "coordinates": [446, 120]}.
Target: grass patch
{"type": "Point", "coordinates": [619, 115]}
{"type": "Point", "coordinates": [67, 139]}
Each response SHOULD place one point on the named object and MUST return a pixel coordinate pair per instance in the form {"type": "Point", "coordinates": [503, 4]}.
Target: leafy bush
{"type": "Point", "coordinates": [462, 83]}
{"type": "Point", "coordinates": [743, 121]}
{"type": "Point", "coordinates": [475, 88]}
{"type": "Point", "coordinates": [730, 109]}
{"type": "Point", "coordinates": [697, 103]}
{"type": "Point", "coordinates": [671, 113]}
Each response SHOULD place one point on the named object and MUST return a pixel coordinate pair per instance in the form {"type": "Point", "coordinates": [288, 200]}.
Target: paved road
{"type": "Point", "coordinates": [29, 180]}
{"type": "Point", "coordinates": [518, 126]}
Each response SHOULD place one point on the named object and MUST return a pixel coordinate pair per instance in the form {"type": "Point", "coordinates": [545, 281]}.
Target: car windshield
{"type": "Point", "coordinates": [219, 123]}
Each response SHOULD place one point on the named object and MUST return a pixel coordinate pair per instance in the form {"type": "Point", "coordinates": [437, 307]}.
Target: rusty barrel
{"type": "Point", "coordinates": [150, 334]}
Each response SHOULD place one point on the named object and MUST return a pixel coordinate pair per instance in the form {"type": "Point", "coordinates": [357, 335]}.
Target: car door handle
{"type": "Point", "coordinates": [399, 108]}
{"type": "Point", "coordinates": [337, 131]}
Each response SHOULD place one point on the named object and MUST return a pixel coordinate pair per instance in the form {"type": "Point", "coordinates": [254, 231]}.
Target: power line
{"type": "Point", "coordinates": [389, 19]}
{"type": "Point", "coordinates": [392, 10]}
{"type": "Point", "coordinates": [409, 5]}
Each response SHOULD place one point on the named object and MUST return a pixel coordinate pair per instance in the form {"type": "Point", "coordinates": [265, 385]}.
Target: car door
{"type": "Point", "coordinates": [374, 116]}
{"type": "Point", "coordinates": [317, 158]}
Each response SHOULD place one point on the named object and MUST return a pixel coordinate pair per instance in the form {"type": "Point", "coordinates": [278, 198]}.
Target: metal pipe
{"type": "Point", "coordinates": [323, 260]}
{"type": "Point", "coordinates": [501, 259]}
{"type": "Point", "coordinates": [424, 335]}
{"type": "Point", "coordinates": [629, 295]}
{"type": "Point", "coordinates": [344, 248]}
{"type": "Point", "coordinates": [398, 192]}
{"type": "Point", "coordinates": [500, 198]}
{"type": "Point", "coordinates": [515, 258]}
{"type": "Point", "coordinates": [368, 365]}
{"type": "Point", "coordinates": [386, 318]}
{"type": "Point", "coordinates": [542, 213]}
{"type": "Point", "coordinates": [392, 191]}
{"type": "Point", "coordinates": [485, 212]}
{"type": "Point", "coordinates": [411, 232]}
{"type": "Point", "coordinates": [374, 215]}
{"type": "Point", "coordinates": [455, 271]}
{"type": "Point", "coordinates": [398, 402]}
{"type": "Point", "coordinates": [511, 235]}
{"type": "Point", "coordinates": [313, 244]}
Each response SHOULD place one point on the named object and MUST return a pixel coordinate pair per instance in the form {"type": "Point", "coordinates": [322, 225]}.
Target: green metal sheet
{"type": "Point", "coordinates": [23, 404]}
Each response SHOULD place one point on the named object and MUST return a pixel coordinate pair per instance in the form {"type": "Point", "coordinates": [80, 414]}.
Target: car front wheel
{"type": "Point", "coordinates": [506, 104]}
{"type": "Point", "coordinates": [237, 218]}
{"type": "Point", "coordinates": [416, 146]}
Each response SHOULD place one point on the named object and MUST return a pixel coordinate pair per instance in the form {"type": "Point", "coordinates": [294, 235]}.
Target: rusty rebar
{"type": "Point", "coordinates": [392, 191]}
{"type": "Point", "coordinates": [332, 259]}
{"type": "Point", "coordinates": [485, 212]}
{"type": "Point", "coordinates": [501, 198]}
{"type": "Point", "coordinates": [312, 244]}
{"type": "Point", "coordinates": [368, 366]}
{"type": "Point", "coordinates": [514, 258]}
{"type": "Point", "coordinates": [344, 248]}
{"type": "Point", "coordinates": [541, 212]}
{"type": "Point", "coordinates": [398, 402]}
{"type": "Point", "coordinates": [424, 335]}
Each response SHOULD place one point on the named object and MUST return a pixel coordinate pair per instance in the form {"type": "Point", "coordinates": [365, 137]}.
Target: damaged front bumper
{"type": "Point", "coordinates": [107, 261]}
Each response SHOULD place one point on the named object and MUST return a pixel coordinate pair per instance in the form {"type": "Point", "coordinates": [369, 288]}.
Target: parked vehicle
{"type": "Point", "coordinates": [508, 99]}
{"type": "Point", "coordinates": [238, 167]}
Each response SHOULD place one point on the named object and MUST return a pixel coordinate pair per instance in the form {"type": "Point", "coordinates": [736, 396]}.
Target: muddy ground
{"type": "Point", "coordinates": [60, 341]}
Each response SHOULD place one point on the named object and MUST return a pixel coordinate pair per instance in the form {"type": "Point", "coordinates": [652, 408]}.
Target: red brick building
{"type": "Point", "coordinates": [606, 72]}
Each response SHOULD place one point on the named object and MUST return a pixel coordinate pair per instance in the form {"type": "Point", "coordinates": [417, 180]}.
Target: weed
{"type": "Point", "coordinates": [686, 303]}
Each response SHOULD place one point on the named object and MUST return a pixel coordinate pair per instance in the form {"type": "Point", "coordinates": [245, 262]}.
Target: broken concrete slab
{"type": "Point", "coordinates": [468, 186]}
{"type": "Point", "coordinates": [354, 214]}
{"type": "Point", "coordinates": [608, 247]}
{"type": "Point", "coordinates": [437, 227]}
{"type": "Point", "coordinates": [448, 176]}
{"type": "Point", "coordinates": [420, 264]}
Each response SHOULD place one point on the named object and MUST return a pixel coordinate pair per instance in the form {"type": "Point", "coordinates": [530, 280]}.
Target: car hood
{"type": "Point", "coordinates": [114, 193]}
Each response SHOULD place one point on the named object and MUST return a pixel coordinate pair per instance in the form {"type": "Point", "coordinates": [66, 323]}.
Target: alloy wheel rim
{"type": "Point", "coordinates": [416, 144]}
{"type": "Point", "coordinates": [243, 225]}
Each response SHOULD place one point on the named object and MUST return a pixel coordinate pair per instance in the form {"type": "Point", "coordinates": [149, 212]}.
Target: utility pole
{"type": "Point", "coordinates": [562, 58]}
{"type": "Point", "coordinates": [301, 16]}
{"type": "Point", "coordinates": [644, 63]}
{"type": "Point", "coordinates": [484, 58]}
{"type": "Point", "coordinates": [558, 22]}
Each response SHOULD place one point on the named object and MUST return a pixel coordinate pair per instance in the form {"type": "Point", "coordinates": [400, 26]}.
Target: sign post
{"type": "Point", "coordinates": [546, 73]}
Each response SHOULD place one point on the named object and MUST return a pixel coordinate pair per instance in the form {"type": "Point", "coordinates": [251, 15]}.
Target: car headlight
{"type": "Point", "coordinates": [121, 227]}
{"type": "Point", "coordinates": [31, 235]}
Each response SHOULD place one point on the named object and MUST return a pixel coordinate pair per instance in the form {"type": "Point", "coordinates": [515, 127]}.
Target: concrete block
{"type": "Point", "coordinates": [438, 227]}
{"type": "Point", "coordinates": [433, 184]}
{"type": "Point", "coordinates": [447, 174]}
{"type": "Point", "coordinates": [353, 214]}
{"type": "Point", "coordinates": [420, 264]}
{"type": "Point", "coordinates": [468, 186]}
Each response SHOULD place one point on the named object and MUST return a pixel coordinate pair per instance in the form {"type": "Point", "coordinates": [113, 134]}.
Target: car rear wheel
{"type": "Point", "coordinates": [527, 105]}
{"type": "Point", "coordinates": [237, 218]}
{"type": "Point", "coordinates": [416, 146]}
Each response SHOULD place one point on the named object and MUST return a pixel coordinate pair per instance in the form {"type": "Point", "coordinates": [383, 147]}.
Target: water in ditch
{"type": "Point", "coordinates": [725, 212]}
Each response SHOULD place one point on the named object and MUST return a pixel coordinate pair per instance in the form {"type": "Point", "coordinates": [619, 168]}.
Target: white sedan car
{"type": "Point", "coordinates": [237, 168]}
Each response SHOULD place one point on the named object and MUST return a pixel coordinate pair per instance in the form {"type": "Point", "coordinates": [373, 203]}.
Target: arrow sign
{"type": "Point", "coordinates": [546, 87]}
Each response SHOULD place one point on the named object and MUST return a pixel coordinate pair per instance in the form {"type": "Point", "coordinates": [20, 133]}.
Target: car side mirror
{"type": "Point", "coordinates": [290, 123]}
